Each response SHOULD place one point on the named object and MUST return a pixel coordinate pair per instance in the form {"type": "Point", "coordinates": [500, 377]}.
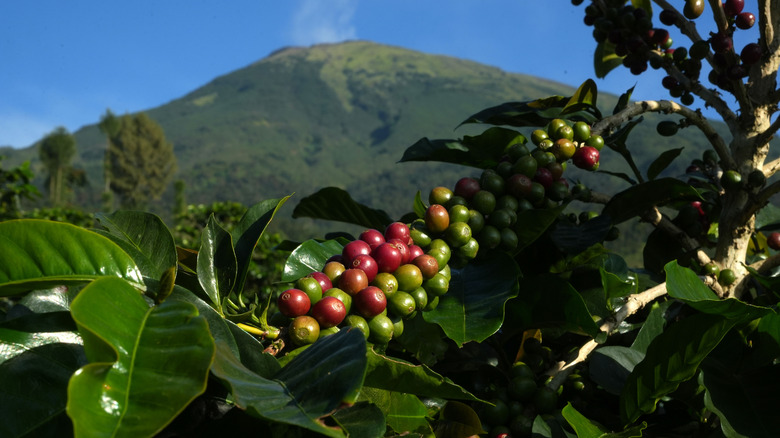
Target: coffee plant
{"type": "Point", "coordinates": [491, 309]}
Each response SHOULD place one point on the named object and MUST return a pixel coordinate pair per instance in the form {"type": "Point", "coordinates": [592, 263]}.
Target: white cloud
{"type": "Point", "coordinates": [324, 21]}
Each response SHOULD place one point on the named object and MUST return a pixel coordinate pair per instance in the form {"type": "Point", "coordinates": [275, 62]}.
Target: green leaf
{"type": "Point", "coordinates": [309, 256]}
{"type": "Point", "coordinates": [549, 301]}
{"type": "Point", "coordinates": [247, 232]}
{"type": "Point", "coordinates": [363, 420]}
{"type": "Point", "coordinates": [672, 358]}
{"type": "Point", "coordinates": [683, 284]}
{"type": "Point", "coordinates": [610, 366]}
{"type": "Point", "coordinates": [481, 151]}
{"type": "Point", "coordinates": [121, 391]}
{"type": "Point", "coordinates": [647, 5]}
{"type": "Point", "coordinates": [419, 206]}
{"type": "Point", "coordinates": [37, 254]}
{"type": "Point", "coordinates": [403, 412]}
{"type": "Point", "coordinates": [308, 388]}
{"type": "Point", "coordinates": [332, 203]}
{"type": "Point", "coordinates": [652, 327]}
{"type": "Point", "coordinates": [620, 175]}
{"type": "Point", "coordinates": [637, 199]}
{"type": "Point", "coordinates": [583, 427]}
{"type": "Point", "coordinates": [768, 218]}
{"type": "Point", "coordinates": [473, 308]}
{"type": "Point", "coordinates": [623, 101]}
{"type": "Point", "coordinates": [532, 113]}
{"type": "Point", "coordinates": [144, 237]}
{"type": "Point", "coordinates": [531, 224]}
{"type": "Point", "coordinates": [394, 374]}
{"type": "Point", "coordinates": [217, 264]}
{"type": "Point", "coordinates": [574, 239]}
{"type": "Point", "coordinates": [745, 402]}
{"type": "Point", "coordinates": [662, 162]}
{"type": "Point", "coordinates": [458, 420]}
{"type": "Point", "coordinates": [605, 59]}
{"type": "Point", "coordinates": [34, 381]}
{"type": "Point", "coordinates": [584, 99]}
{"type": "Point", "coordinates": [423, 340]}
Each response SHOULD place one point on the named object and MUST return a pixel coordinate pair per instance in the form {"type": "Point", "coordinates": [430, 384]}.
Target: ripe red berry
{"type": "Point", "coordinates": [323, 279]}
{"type": "Point", "coordinates": [751, 54]}
{"type": "Point", "coordinates": [354, 249]}
{"type": "Point", "coordinates": [721, 43]}
{"type": "Point", "coordinates": [293, 303]}
{"type": "Point", "coordinates": [733, 7]}
{"type": "Point", "coordinates": [586, 158]}
{"type": "Point", "coordinates": [773, 240]}
{"type": "Point", "coordinates": [745, 20]}
{"type": "Point", "coordinates": [367, 264]}
{"type": "Point", "coordinates": [400, 231]}
{"type": "Point", "coordinates": [373, 237]}
{"type": "Point", "coordinates": [403, 248]}
{"type": "Point", "coordinates": [466, 187]}
{"type": "Point", "coordinates": [352, 281]}
{"type": "Point", "coordinates": [388, 257]}
{"type": "Point", "coordinates": [329, 312]}
{"type": "Point", "coordinates": [370, 302]}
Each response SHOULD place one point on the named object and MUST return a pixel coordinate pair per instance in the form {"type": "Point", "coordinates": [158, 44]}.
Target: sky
{"type": "Point", "coordinates": [63, 63]}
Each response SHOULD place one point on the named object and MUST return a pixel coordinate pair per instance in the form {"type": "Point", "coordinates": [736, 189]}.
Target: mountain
{"type": "Point", "coordinates": [327, 115]}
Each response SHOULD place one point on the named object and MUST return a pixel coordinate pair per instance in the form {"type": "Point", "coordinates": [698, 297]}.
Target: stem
{"type": "Point", "coordinates": [633, 304]}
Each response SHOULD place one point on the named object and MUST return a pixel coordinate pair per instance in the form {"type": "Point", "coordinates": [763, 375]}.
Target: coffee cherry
{"type": "Point", "coordinates": [333, 270]}
{"type": "Point", "coordinates": [440, 251]}
{"type": "Point", "coordinates": [699, 50]}
{"type": "Point", "coordinates": [586, 158]}
{"type": "Point", "coordinates": [773, 241]}
{"type": "Point", "coordinates": [751, 54]}
{"type": "Point", "coordinates": [440, 195]}
{"type": "Point", "coordinates": [358, 322]}
{"type": "Point", "coordinates": [329, 312]}
{"type": "Point", "coordinates": [595, 141]}
{"type": "Point", "coordinates": [466, 187]}
{"type": "Point", "coordinates": [367, 264]}
{"type": "Point", "coordinates": [414, 252]}
{"type": "Point", "coordinates": [721, 42]}
{"type": "Point", "coordinates": [668, 17]}
{"type": "Point", "coordinates": [387, 282]}
{"type": "Point", "coordinates": [726, 277]}
{"type": "Point", "coordinates": [437, 219]}
{"type": "Point", "coordinates": [293, 303]}
{"type": "Point", "coordinates": [341, 295]}
{"type": "Point", "coordinates": [519, 185]}
{"type": "Point", "coordinates": [380, 329]}
{"type": "Point", "coordinates": [304, 330]}
{"type": "Point", "coordinates": [427, 264]}
{"type": "Point", "coordinates": [406, 255]}
{"type": "Point", "coordinates": [437, 285]}
{"type": "Point", "coordinates": [409, 277]}
{"type": "Point", "coordinates": [354, 249]}
{"type": "Point", "coordinates": [323, 279]}
{"type": "Point", "coordinates": [731, 180]}
{"type": "Point", "coordinates": [756, 178]}
{"type": "Point", "coordinates": [388, 257]}
{"type": "Point", "coordinates": [353, 281]}
{"type": "Point", "coordinates": [667, 128]}
{"type": "Point", "coordinates": [372, 237]}
{"type": "Point", "coordinates": [745, 20]}
{"type": "Point", "coordinates": [401, 304]}
{"type": "Point", "coordinates": [311, 287]}
{"type": "Point", "coordinates": [693, 9]}
{"type": "Point", "coordinates": [369, 302]}
{"type": "Point", "coordinates": [733, 7]}
{"type": "Point", "coordinates": [398, 230]}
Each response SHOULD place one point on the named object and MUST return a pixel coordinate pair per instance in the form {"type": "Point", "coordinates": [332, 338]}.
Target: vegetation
{"type": "Point", "coordinates": [56, 152]}
{"type": "Point", "coordinates": [489, 309]}
{"type": "Point", "coordinates": [140, 160]}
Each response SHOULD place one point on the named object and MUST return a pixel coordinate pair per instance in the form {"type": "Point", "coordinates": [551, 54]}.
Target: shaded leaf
{"type": "Point", "coordinates": [217, 263]}
{"type": "Point", "coordinates": [422, 339]}
{"type": "Point", "coordinates": [36, 254]}
{"type": "Point", "coordinates": [605, 59]}
{"type": "Point", "coordinates": [768, 218]}
{"type": "Point", "coordinates": [662, 162]}
{"type": "Point", "coordinates": [620, 175]}
{"type": "Point", "coordinates": [481, 151]}
{"type": "Point", "coordinates": [584, 99]}
{"type": "Point", "coordinates": [458, 420]}
{"type": "Point", "coordinates": [635, 200]}
{"type": "Point", "coordinates": [531, 224]}
{"type": "Point", "coordinates": [308, 388]}
{"type": "Point", "coordinates": [247, 232]}
{"type": "Point", "coordinates": [394, 374]}
{"type": "Point", "coordinates": [623, 100]}
{"type": "Point", "coordinates": [672, 358]}
{"type": "Point", "coordinates": [362, 420]}
{"type": "Point", "coordinates": [419, 206]}
{"type": "Point", "coordinates": [403, 412]}
{"type": "Point", "coordinates": [309, 256]}
{"type": "Point", "coordinates": [119, 392]}
{"type": "Point", "coordinates": [532, 113]}
{"type": "Point", "coordinates": [144, 237]}
{"type": "Point", "coordinates": [332, 203]}
{"type": "Point", "coordinates": [473, 308]}
{"type": "Point", "coordinates": [574, 239]}
{"type": "Point", "coordinates": [610, 366]}
{"type": "Point", "coordinates": [746, 402]}
{"type": "Point", "coordinates": [652, 327]}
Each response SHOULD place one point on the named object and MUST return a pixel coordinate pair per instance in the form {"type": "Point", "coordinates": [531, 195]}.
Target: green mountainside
{"type": "Point", "coordinates": [337, 115]}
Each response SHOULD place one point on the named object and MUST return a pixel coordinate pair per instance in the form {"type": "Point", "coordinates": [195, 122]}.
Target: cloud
{"type": "Point", "coordinates": [318, 21]}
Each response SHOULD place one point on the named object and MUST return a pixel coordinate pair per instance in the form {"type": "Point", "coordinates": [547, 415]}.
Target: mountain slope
{"type": "Point", "coordinates": [328, 115]}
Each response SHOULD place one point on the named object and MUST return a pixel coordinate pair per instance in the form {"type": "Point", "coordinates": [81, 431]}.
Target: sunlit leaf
{"type": "Point", "coordinates": [583, 427]}
{"type": "Point", "coordinates": [605, 59]}
{"type": "Point", "coordinates": [403, 412]}
{"type": "Point", "coordinates": [37, 254]}
{"type": "Point", "coordinates": [623, 101]}
{"type": "Point", "coordinates": [136, 361]}
{"type": "Point", "coordinates": [584, 99]}
{"type": "Point", "coordinates": [217, 263]}
{"type": "Point", "coordinates": [308, 257]}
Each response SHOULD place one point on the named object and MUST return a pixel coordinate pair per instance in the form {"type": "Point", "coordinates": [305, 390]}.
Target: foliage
{"type": "Point", "coordinates": [140, 160]}
{"type": "Point", "coordinates": [552, 336]}
{"type": "Point", "coordinates": [15, 185]}
{"type": "Point", "coordinates": [56, 151]}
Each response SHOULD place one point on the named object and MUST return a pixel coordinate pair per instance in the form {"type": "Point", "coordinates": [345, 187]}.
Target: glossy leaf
{"type": "Point", "coordinates": [623, 101]}
{"type": "Point", "coordinates": [662, 162]}
{"type": "Point", "coordinates": [481, 151]}
{"type": "Point", "coordinates": [134, 359]}
{"type": "Point", "coordinates": [36, 254]}
{"type": "Point", "coordinates": [531, 224]}
{"type": "Point", "coordinates": [335, 204]}
{"type": "Point", "coordinates": [423, 340]}
{"type": "Point", "coordinates": [458, 420]}
{"type": "Point", "coordinates": [549, 301]}
{"type": "Point", "coordinates": [583, 427]}
{"type": "Point", "coordinates": [635, 200]}
{"type": "Point", "coordinates": [217, 264]}
{"type": "Point", "coordinates": [247, 232]}
{"type": "Point", "coordinates": [308, 257]}
{"type": "Point", "coordinates": [652, 327]}
{"type": "Point", "coordinates": [532, 113]}
{"type": "Point", "coordinates": [768, 218]}
{"type": "Point", "coordinates": [605, 59]}
{"type": "Point", "coordinates": [419, 206]}
{"type": "Point", "coordinates": [610, 366]}
{"type": "Point", "coordinates": [683, 284]}
{"type": "Point", "coordinates": [363, 420]}
{"type": "Point", "coordinates": [404, 413]}
{"type": "Point", "coordinates": [574, 239]}
{"type": "Point", "coordinates": [308, 388]}
{"type": "Point", "coordinates": [746, 402]}
{"type": "Point", "coordinates": [584, 99]}
{"type": "Point", "coordinates": [672, 358]}
{"type": "Point", "coordinates": [34, 381]}
{"type": "Point", "coordinates": [144, 237]}
{"type": "Point", "coordinates": [473, 309]}
{"type": "Point", "coordinates": [394, 374]}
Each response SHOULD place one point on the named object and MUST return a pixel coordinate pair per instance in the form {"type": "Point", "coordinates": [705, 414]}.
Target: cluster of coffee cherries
{"type": "Point", "coordinates": [481, 212]}
{"type": "Point", "coordinates": [378, 281]}
{"type": "Point", "coordinates": [516, 403]}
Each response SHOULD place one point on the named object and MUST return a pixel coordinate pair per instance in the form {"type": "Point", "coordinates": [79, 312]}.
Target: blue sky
{"type": "Point", "coordinates": [63, 63]}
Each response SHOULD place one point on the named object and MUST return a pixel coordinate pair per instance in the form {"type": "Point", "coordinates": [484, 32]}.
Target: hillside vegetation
{"type": "Point", "coordinates": [305, 118]}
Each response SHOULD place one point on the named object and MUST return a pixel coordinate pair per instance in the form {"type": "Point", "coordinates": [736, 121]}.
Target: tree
{"type": "Point", "coordinates": [56, 152]}
{"type": "Point", "coordinates": [109, 125]}
{"type": "Point", "coordinates": [140, 160]}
